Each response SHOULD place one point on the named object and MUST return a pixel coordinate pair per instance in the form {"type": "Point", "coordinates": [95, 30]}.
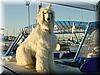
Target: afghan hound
{"type": "Point", "coordinates": [36, 50]}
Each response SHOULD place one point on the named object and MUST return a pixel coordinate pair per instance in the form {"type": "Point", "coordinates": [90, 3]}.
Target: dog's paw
{"type": "Point", "coordinates": [29, 67]}
{"type": "Point", "coordinates": [42, 71]}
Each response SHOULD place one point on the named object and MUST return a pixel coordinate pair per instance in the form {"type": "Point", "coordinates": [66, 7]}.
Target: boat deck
{"type": "Point", "coordinates": [13, 69]}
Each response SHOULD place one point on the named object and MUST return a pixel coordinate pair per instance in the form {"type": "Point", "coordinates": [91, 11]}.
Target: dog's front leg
{"type": "Point", "coordinates": [42, 61]}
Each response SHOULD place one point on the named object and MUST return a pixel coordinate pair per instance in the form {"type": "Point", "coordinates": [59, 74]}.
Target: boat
{"type": "Point", "coordinates": [66, 57]}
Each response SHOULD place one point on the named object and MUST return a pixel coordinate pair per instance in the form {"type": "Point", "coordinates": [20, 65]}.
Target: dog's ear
{"type": "Point", "coordinates": [49, 6]}
{"type": "Point", "coordinates": [40, 6]}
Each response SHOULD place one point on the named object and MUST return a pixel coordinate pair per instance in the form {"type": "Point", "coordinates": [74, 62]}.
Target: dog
{"type": "Point", "coordinates": [36, 50]}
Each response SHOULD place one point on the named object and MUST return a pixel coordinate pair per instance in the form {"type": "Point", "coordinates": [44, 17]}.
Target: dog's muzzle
{"type": "Point", "coordinates": [48, 19]}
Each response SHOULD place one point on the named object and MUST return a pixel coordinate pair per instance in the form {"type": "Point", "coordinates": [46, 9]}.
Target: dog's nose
{"type": "Point", "coordinates": [48, 19]}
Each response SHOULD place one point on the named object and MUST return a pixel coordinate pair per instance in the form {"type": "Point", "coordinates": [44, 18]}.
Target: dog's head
{"type": "Point", "coordinates": [45, 18]}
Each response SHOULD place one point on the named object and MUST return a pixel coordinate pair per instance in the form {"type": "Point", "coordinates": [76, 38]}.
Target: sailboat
{"type": "Point", "coordinates": [73, 28]}
{"type": "Point", "coordinates": [75, 42]}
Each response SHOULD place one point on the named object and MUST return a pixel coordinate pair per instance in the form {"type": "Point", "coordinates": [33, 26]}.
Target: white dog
{"type": "Point", "coordinates": [38, 46]}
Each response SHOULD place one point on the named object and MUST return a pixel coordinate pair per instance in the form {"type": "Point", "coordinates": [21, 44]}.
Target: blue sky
{"type": "Point", "coordinates": [15, 15]}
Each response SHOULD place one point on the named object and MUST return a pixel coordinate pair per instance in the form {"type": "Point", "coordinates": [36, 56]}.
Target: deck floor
{"type": "Point", "coordinates": [18, 70]}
